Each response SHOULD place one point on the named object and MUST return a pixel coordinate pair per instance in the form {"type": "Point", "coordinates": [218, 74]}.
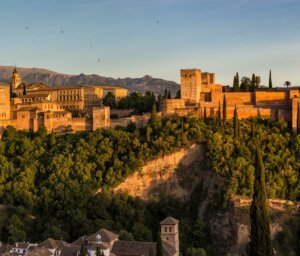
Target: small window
{"type": "Point", "coordinates": [166, 229]}
{"type": "Point", "coordinates": [170, 229]}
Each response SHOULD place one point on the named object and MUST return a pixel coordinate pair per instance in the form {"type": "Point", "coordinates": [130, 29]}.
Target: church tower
{"type": "Point", "coordinates": [15, 79]}
{"type": "Point", "coordinates": [169, 237]}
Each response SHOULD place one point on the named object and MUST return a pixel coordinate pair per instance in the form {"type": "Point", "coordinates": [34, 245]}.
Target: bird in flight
{"type": "Point", "coordinates": [26, 27]}
{"type": "Point", "coordinates": [61, 31]}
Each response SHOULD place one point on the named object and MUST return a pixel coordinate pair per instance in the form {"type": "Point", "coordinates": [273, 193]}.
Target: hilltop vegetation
{"type": "Point", "coordinates": [59, 186]}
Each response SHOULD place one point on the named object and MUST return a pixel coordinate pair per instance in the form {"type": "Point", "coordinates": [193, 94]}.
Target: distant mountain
{"type": "Point", "coordinates": [39, 75]}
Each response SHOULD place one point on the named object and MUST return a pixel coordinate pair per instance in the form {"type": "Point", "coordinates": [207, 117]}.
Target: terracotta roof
{"type": "Point", "coordinates": [40, 252]}
{"type": "Point", "coordinates": [79, 241]}
{"type": "Point", "coordinates": [134, 248]}
{"type": "Point", "coordinates": [53, 244]}
{"type": "Point", "coordinates": [70, 250]}
{"type": "Point", "coordinates": [169, 221]}
{"type": "Point", "coordinates": [106, 236]}
{"type": "Point", "coordinates": [168, 250]}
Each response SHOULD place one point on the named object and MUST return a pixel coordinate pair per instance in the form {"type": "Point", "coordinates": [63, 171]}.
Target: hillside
{"type": "Point", "coordinates": [143, 84]}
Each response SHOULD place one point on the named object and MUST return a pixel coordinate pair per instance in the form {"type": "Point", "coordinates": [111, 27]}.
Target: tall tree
{"type": "Point", "coordinates": [253, 82]}
{"type": "Point", "coordinates": [270, 79]}
{"type": "Point", "coordinates": [257, 81]}
{"type": "Point", "coordinates": [236, 82]}
{"type": "Point", "coordinates": [83, 250]}
{"type": "Point", "coordinates": [287, 84]}
{"type": "Point", "coordinates": [205, 116]}
{"type": "Point", "coordinates": [224, 109]}
{"type": "Point", "coordinates": [298, 118]}
{"type": "Point", "coordinates": [169, 95]}
{"type": "Point", "coordinates": [245, 83]}
{"type": "Point", "coordinates": [260, 239]}
{"type": "Point", "coordinates": [236, 123]}
{"type": "Point", "coordinates": [219, 122]}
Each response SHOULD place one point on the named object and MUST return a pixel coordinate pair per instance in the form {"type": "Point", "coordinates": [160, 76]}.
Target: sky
{"type": "Point", "coordinates": [133, 38]}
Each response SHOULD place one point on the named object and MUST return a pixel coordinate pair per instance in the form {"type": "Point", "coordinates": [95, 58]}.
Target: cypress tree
{"type": "Point", "coordinates": [253, 81]}
{"type": "Point", "coordinates": [219, 122]}
{"type": "Point", "coordinates": [260, 239]}
{"type": "Point", "coordinates": [298, 118]}
{"type": "Point", "coordinates": [224, 109]}
{"type": "Point", "coordinates": [270, 79]}
{"type": "Point", "coordinates": [236, 123]}
{"type": "Point", "coordinates": [237, 82]}
{"type": "Point", "coordinates": [159, 249]}
{"type": "Point", "coordinates": [234, 84]}
{"type": "Point", "coordinates": [83, 250]}
{"type": "Point", "coordinates": [205, 116]}
{"type": "Point", "coordinates": [148, 134]}
{"type": "Point", "coordinates": [166, 94]}
{"type": "Point", "coordinates": [169, 95]}
{"type": "Point", "coordinates": [252, 127]}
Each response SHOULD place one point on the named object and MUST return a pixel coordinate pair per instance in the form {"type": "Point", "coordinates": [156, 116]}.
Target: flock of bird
{"type": "Point", "coordinates": [62, 31]}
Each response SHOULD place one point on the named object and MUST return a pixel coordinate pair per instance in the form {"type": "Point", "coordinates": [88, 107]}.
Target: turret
{"type": "Point", "coordinates": [15, 79]}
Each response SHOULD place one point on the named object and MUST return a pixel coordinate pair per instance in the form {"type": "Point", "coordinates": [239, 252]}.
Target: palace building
{"type": "Point", "coordinates": [30, 106]}
{"type": "Point", "coordinates": [199, 92]}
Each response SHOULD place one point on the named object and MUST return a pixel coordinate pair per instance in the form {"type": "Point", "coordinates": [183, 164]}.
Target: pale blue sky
{"type": "Point", "coordinates": [133, 38]}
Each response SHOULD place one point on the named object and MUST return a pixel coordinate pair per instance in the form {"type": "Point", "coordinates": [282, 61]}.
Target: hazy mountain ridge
{"type": "Point", "coordinates": [40, 75]}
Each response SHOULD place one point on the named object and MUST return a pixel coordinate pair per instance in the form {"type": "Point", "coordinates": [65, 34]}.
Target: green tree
{"type": "Point", "coordinates": [298, 118]}
{"type": "Point", "coordinates": [245, 83]}
{"type": "Point", "coordinates": [270, 79]}
{"type": "Point", "coordinates": [236, 123]}
{"type": "Point", "coordinates": [224, 109]}
{"type": "Point", "coordinates": [83, 250]}
{"type": "Point", "coordinates": [159, 249]}
{"type": "Point", "coordinates": [205, 116]}
{"type": "Point", "coordinates": [260, 239]}
{"type": "Point", "coordinates": [148, 134]}
{"type": "Point", "coordinates": [125, 235]}
{"type": "Point", "coordinates": [110, 100]}
{"type": "Point", "coordinates": [236, 82]}
{"type": "Point", "coordinates": [169, 95]}
{"type": "Point", "coordinates": [219, 118]}
{"type": "Point", "coordinates": [178, 94]}
{"type": "Point", "coordinates": [253, 83]}
{"type": "Point", "coordinates": [99, 252]}
{"type": "Point", "coordinates": [287, 84]}
{"type": "Point", "coordinates": [257, 81]}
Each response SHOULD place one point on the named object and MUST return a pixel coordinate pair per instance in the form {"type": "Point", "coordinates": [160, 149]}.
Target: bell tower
{"type": "Point", "coordinates": [15, 79]}
{"type": "Point", "coordinates": [169, 236]}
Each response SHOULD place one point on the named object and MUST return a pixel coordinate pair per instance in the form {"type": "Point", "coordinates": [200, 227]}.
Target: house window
{"type": "Point", "coordinates": [98, 238]}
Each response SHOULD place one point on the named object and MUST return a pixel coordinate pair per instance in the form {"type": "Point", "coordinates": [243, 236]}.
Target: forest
{"type": "Point", "coordinates": [59, 186]}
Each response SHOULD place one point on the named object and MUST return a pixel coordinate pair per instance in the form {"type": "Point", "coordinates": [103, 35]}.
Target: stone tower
{"type": "Point", "coordinates": [190, 85]}
{"type": "Point", "coordinates": [15, 79]}
{"type": "Point", "coordinates": [169, 236]}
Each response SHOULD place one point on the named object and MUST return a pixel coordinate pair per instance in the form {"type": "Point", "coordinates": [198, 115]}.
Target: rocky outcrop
{"type": "Point", "coordinates": [165, 175]}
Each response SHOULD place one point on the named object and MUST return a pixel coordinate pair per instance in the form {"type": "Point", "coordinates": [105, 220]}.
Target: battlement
{"type": "Point", "coordinates": [185, 72]}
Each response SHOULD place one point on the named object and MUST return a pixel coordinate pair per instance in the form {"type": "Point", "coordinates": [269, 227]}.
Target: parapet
{"type": "Point", "coordinates": [185, 72]}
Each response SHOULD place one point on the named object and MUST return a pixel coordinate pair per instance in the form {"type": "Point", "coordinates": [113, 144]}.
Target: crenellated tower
{"type": "Point", "coordinates": [190, 85]}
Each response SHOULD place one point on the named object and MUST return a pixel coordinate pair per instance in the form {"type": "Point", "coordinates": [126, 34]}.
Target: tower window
{"type": "Point", "coordinates": [170, 229]}
{"type": "Point", "coordinates": [166, 229]}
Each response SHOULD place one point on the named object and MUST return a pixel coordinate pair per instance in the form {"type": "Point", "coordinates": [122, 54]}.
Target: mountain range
{"type": "Point", "coordinates": [45, 76]}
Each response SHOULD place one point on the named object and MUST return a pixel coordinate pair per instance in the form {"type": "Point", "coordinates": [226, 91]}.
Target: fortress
{"type": "Point", "coordinates": [200, 92]}
{"type": "Point", "coordinates": [30, 106]}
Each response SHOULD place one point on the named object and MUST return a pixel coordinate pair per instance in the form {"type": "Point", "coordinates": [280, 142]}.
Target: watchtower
{"type": "Point", "coordinates": [190, 85]}
{"type": "Point", "coordinates": [169, 236]}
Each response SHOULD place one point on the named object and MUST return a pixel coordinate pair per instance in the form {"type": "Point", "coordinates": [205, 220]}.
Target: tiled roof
{"type": "Point", "coordinates": [134, 248]}
{"type": "Point", "coordinates": [70, 250]}
{"type": "Point", "coordinates": [40, 252]}
{"type": "Point", "coordinates": [169, 221]}
{"type": "Point", "coordinates": [79, 241]}
{"type": "Point", "coordinates": [106, 236]}
{"type": "Point", "coordinates": [53, 244]}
